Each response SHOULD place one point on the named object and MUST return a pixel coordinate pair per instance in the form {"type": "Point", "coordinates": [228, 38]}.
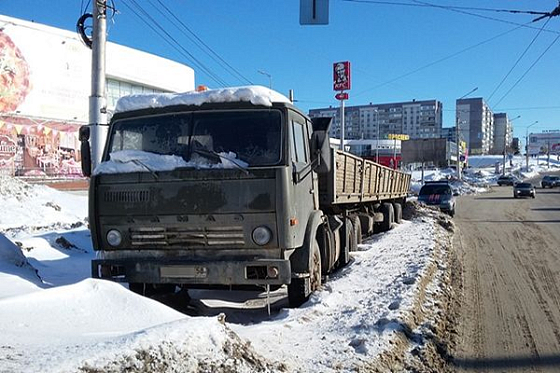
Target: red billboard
{"type": "Point", "coordinates": [341, 76]}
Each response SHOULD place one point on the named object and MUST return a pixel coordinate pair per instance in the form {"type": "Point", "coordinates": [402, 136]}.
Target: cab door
{"type": "Point", "coordinates": [302, 183]}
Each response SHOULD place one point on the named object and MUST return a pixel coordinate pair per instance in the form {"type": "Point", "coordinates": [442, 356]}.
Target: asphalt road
{"type": "Point", "coordinates": [509, 307]}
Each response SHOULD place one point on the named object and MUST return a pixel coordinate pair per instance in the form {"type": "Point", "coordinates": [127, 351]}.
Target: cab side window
{"type": "Point", "coordinates": [299, 148]}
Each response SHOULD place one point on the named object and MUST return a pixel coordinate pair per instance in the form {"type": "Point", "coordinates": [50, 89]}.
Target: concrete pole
{"type": "Point", "coordinates": [342, 125]}
{"type": "Point", "coordinates": [505, 147]}
{"type": "Point", "coordinates": [458, 141]}
{"type": "Point", "coordinates": [377, 138]}
{"type": "Point", "coordinates": [98, 100]}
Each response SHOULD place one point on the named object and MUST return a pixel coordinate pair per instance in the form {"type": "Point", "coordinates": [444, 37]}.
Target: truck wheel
{"type": "Point", "coordinates": [388, 217]}
{"type": "Point", "coordinates": [357, 229]}
{"type": "Point", "coordinates": [349, 245]}
{"type": "Point", "coordinates": [300, 288]}
{"type": "Point", "coordinates": [397, 207]}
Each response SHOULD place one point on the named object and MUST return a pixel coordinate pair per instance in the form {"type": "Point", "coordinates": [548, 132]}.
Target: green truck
{"type": "Point", "coordinates": [230, 188]}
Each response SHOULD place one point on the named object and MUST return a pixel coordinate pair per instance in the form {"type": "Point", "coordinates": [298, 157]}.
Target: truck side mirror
{"type": "Point", "coordinates": [320, 144]}
{"type": "Point", "coordinates": [85, 150]}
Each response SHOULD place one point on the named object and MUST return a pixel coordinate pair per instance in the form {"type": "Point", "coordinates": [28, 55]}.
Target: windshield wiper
{"type": "Point", "coordinates": [212, 155]}
{"type": "Point", "coordinates": [142, 164]}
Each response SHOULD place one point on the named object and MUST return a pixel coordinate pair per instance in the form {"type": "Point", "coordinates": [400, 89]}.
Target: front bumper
{"type": "Point", "coordinates": [257, 272]}
{"type": "Point", "coordinates": [524, 193]}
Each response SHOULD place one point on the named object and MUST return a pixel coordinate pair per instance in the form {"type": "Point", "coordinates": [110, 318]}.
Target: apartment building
{"type": "Point", "coordinates": [503, 133]}
{"type": "Point", "coordinates": [417, 119]}
{"type": "Point", "coordinates": [476, 125]}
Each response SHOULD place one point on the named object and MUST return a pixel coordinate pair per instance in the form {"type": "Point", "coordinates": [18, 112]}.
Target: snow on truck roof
{"type": "Point", "coordinates": [256, 95]}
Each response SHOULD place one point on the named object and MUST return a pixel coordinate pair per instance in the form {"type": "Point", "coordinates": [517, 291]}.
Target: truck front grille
{"type": "Point", "coordinates": [187, 237]}
{"type": "Point", "coordinates": [127, 196]}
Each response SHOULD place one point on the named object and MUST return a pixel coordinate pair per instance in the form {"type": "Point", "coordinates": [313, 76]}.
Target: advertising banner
{"type": "Point", "coordinates": [341, 76]}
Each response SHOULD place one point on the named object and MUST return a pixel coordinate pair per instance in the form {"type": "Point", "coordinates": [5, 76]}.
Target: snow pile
{"type": "Point", "coordinates": [356, 315]}
{"type": "Point", "coordinates": [17, 276]}
{"type": "Point", "coordinates": [35, 207]}
{"type": "Point", "coordinates": [257, 95]}
{"type": "Point", "coordinates": [126, 161]}
{"type": "Point", "coordinates": [101, 326]}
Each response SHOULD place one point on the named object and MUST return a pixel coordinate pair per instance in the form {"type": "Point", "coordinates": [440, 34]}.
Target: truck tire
{"type": "Point", "coordinates": [388, 217]}
{"type": "Point", "coordinates": [357, 229]}
{"type": "Point", "coordinates": [397, 207]}
{"type": "Point", "coordinates": [348, 245]}
{"type": "Point", "coordinates": [300, 288]}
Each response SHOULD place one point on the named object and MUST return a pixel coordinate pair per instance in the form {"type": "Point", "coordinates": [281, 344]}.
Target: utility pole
{"type": "Point", "coordinates": [458, 137]}
{"type": "Point", "coordinates": [527, 143]}
{"type": "Point", "coordinates": [98, 100]}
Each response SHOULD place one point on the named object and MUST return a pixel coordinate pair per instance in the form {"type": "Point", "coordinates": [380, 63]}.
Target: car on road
{"type": "Point", "coordinates": [523, 190]}
{"type": "Point", "coordinates": [507, 180]}
{"type": "Point", "coordinates": [438, 193]}
{"type": "Point", "coordinates": [549, 181]}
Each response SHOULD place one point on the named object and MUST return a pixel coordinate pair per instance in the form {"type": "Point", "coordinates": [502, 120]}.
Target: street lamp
{"type": "Point", "coordinates": [527, 143]}
{"type": "Point", "coordinates": [505, 141]}
{"type": "Point", "coordinates": [269, 77]}
{"type": "Point", "coordinates": [458, 139]}
{"type": "Point", "coordinates": [377, 138]}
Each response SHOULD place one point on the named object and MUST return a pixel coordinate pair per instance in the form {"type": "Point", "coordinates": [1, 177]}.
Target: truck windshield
{"type": "Point", "coordinates": [253, 136]}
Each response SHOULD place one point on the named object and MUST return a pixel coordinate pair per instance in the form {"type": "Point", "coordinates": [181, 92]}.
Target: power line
{"type": "Point", "coordinates": [167, 37]}
{"type": "Point", "coordinates": [528, 70]}
{"type": "Point", "coordinates": [439, 60]}
{"type": "Point", "coordinates": [446, 7]}
{"type": "Point", "coordinates": [199, 42]}
{"type": "Point", "coordinates": [526, 25]}
{"type": "Point", "coordinates": [518, 60]}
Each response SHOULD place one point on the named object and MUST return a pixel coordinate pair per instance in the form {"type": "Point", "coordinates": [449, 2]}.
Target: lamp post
{"type": "Point", "coordinates": [377, 138]}
{"type": "Point", "coordinates": [505, 141]}
{"type": "Point", "coordinates": [458, 138]}
{"type": "Point", "coordinates": [269, 77]}
{"type": "Point", "coordinates": [527, 143]}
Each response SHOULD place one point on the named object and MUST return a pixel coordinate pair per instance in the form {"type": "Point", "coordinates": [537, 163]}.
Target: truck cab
{"type": "Point", "coordinates": [209, 190]}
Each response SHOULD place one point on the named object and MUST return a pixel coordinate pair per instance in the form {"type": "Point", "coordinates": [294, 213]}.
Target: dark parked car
{"type": "Point", "coordinates": [507, 180]}
{"type": "Point", "coordinates": [550, 181]}
{"type": "Point", "coordinates": [438, 193]}
{"type": "Point", "coordinates": [523, 189]}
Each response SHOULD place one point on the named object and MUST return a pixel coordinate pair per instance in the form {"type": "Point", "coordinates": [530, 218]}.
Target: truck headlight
{"type": "Point", "coordinates": [114, 237]}
{"type": "Point", "coordinates": [261, 235]}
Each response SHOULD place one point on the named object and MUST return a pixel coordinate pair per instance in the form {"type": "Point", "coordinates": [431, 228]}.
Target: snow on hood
{"type": "Point", "coordinates": [126, 161]}
{"type": "Point", "coordinates": [257, 95]}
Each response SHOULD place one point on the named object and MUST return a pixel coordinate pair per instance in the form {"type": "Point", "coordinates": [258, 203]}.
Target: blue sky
{"type": "Point", "coordinates": [398, 53]}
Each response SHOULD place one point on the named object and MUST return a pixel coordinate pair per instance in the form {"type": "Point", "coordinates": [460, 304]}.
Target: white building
{"type": "Point", "coordinates": [45, 84]}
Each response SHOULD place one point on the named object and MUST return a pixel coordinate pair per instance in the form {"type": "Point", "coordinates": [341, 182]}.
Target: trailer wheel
{"type": "Point", "coordinates": [388, 217]}
{"type": "Point", "coordinates": [397, 207]}
{"type": "Point", "coordinates": [300, 288]}
{"type": "Point", "coordinates": [357, 229]}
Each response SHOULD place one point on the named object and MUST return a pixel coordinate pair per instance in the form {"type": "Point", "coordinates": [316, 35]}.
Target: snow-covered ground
{"type": "Point", "coordinates": [55, 318]}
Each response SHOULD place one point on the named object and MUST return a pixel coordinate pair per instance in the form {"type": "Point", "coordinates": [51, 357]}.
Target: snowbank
{"type": "Point", "coordinates": [29, 207]}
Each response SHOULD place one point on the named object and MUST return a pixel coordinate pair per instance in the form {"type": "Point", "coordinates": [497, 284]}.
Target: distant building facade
{"type": "Point", "coordinates": [476, 125]}
{"type": "Point", "coordinates": [45, 84]}
{"type": "Point", "coordinates": [417, 119]}
{"type": "Point", "coordinates": [503, 133]}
